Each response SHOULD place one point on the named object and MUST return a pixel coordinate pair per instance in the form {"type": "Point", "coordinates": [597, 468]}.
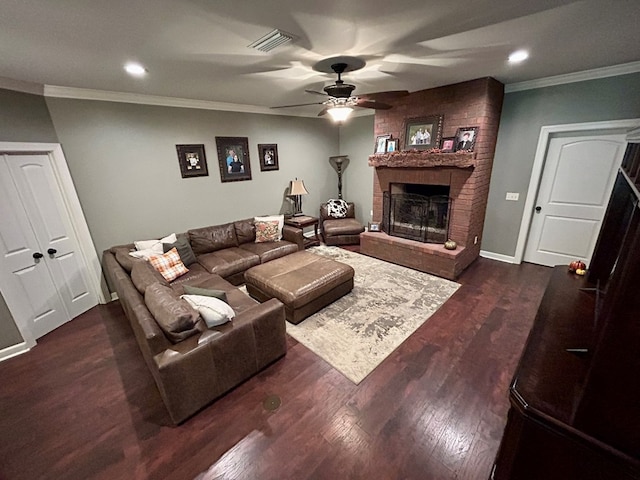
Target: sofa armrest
{"type": "Point", "coordinates": [194, 372]}
{"type": "Point", "coordinates": [294, 235]}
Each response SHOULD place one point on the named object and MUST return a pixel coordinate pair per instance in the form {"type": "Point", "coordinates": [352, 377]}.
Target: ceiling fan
{"type": "Point", "coordinates": [339, 101]}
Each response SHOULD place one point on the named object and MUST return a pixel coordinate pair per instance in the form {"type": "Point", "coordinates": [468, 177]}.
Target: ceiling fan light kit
{"type": "Point", "coordinates": [340, 102]}
{"type": "Point", "coordinates": [339, 114]}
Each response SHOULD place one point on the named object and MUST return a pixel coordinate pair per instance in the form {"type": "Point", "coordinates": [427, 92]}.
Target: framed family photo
{"type": "Point", "coordinates": [381, 143]}
{"type": "Point", "coordinates": [423, 133]}
{"type": "Point", "coordinates": [448, 144]}
{"type": "Point", "coordinates": [233, 158]}
{"type": "Point", "coordinates": [193, 162]}
{"type": "Point", "coordinates": [466, 139]}
{"type": "Point", "coordinates": [392, 145]}
{"type": "Point", "coordinates": [268, 154]}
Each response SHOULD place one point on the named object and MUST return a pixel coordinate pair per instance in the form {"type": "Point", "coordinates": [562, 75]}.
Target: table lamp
{"type": "Point", "coordinates": [296, 190]}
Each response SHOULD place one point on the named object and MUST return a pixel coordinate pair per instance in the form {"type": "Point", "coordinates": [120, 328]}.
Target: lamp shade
{"type": "Point", "coordinates": [297, 188]}
{"type": "Point", "coordinates": [340, 113]}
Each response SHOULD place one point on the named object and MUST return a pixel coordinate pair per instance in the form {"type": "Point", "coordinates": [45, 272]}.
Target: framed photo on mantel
{"type": "Point", "coordinates": [423, 133]}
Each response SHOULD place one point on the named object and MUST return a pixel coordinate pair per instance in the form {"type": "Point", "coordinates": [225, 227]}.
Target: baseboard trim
{"type": "Point", "coordinates": [498, 256]}
{"type": "Point", "coordinates": [13, 351]}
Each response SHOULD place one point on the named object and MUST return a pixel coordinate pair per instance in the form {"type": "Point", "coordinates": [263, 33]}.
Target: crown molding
{"type": "Point", "coordinates": [594, 74]}
{"type": "Point", "coordinates": [21, 86]}
{"type": "Point", "coordinates": [142, 99]}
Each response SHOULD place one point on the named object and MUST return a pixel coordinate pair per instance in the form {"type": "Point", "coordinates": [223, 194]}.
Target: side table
{"type": "Point", "coordinates": [303, 221]}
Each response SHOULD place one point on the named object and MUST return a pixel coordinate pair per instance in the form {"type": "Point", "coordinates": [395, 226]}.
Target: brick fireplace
{"type": "Point", "coordinates": [467, 175]}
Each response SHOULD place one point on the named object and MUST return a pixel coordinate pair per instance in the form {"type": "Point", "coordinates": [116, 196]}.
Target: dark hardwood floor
{"type": "Point", "coordinates": [82, 404]}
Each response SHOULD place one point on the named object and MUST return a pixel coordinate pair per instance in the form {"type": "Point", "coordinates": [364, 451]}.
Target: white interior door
{"type": "Point", "coordinates": [45, 279]}
{"type": "Point", "coordinates": [576, 184]}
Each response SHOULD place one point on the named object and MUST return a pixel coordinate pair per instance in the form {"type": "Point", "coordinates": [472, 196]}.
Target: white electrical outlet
{"type": "Point", "coordinates": [513, 196]}
{"type": "Point", "coordinates": [371, 213]}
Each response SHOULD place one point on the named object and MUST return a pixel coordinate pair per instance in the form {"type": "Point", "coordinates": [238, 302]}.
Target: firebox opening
{"type": "Point", "coordinates": [417, 212]}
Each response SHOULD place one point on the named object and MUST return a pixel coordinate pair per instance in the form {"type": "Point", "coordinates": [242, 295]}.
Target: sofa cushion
{"type": "Point", "coordinates": [125, 260]}
{"type": "Point", "coordinates": [191, 290]}
{"type": "Point", "coordinates": [245, 231]}
{"type": "Point", "coordinates": [174, 316]}
{"type": "Point", "coordinates": [169, 265]}
{"type": "Point", "coordinates": [343, 226]}
{"type": "Point", "coordinates": [184, 250]}
{"type": "Point", "coordinates": [143, 275]}
{"type": "Point", "coordinates": [228, 261]}
{"type": "Point", "coordinates": [196, 271]}
{"type": "Point", "coordinates": [267, 231]}
{"type": "Point", "coordinates": [211, 239]}
{"type": "Point", "coordinates": [213, 310]}
{"type": "Point", "coordinates": [270, 250]}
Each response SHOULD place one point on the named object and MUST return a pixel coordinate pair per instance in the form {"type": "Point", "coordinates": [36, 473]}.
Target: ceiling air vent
{"type": "Point", "coordinates": [272, 40]}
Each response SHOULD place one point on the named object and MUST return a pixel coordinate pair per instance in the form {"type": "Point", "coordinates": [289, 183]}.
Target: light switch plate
{"type": "Point", "coordinates": [513, 196]}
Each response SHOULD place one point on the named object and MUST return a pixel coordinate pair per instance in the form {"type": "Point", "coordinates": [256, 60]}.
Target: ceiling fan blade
{"type": "Point", "coordinates": [373, 104]}
{"type": "Point", "coordinates": [298, 105]}
{"type": "Point", "coordinates": [390, 94]}
{"type": "Point", "coordinates": [323, 111]}
{"type": "Point", "coordinates": [317, 93]}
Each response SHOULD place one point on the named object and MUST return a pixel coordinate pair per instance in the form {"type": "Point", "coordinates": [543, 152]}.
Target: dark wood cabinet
{"type": "Point", "coordinates": [575, 397]}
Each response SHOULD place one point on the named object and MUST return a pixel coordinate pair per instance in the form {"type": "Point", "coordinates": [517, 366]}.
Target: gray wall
{"type": "Point", "coordinates": [523, 115]}
{"type": "Point", "coordinates": [9, 334]}
{"type": "Point", "coordinates": [24, 118]}
{"type": "Point", "coordinates": [356, 141]}
{"type": "Point", "coordinates": [123, 161]}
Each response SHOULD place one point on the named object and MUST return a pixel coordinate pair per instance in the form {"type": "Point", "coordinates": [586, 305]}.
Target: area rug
{"type": "Point", "coordinates": [387, 304]}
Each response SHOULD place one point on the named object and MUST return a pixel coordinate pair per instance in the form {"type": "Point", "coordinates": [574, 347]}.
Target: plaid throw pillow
{"type": "Point", "coordinates": [267, 231]}
{"type": "Point", "coordinates": [169, 265]}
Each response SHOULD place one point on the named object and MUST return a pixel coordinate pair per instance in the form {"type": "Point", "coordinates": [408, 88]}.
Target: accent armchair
{"type": "Point", "coordinates": [339, 226]}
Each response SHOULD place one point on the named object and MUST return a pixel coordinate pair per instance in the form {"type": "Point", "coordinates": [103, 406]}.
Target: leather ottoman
{"type": "Point", "coordinates": [303, 281]}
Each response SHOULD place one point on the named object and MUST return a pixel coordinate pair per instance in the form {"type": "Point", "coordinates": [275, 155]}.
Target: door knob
{"type": "Point", "coordinates": [538, 209]}
{"type": "Point", "coordinates": [37, 255]}
{"type": "Point", "coordinates": [52, 251]}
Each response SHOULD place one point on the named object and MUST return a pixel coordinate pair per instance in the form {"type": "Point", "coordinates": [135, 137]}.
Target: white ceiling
{"type": "Point", "coordinates": [197, 49]}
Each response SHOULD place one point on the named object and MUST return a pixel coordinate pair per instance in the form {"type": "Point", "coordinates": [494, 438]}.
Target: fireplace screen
{"type": "Point", "coordinates": [417, 217]}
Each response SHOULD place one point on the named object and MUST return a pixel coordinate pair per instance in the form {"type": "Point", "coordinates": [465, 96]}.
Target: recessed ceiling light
{"type": "Point", "coordinates": [519, 56]}
{"type": "Point", "coordinates": [135, 69]}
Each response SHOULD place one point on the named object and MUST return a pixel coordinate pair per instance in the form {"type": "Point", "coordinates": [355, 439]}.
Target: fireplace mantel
{"type": "Point", "coordinates": [422, 159]}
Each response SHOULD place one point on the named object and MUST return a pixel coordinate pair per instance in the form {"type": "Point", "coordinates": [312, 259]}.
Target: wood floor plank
{"type": "Point", "coordinates": [82, 404]}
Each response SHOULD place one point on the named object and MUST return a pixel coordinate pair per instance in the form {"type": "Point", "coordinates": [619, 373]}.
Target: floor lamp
{"type": "Point", "coordinates": [339, 162]}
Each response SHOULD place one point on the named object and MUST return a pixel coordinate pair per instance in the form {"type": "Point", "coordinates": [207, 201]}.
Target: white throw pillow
{"type": "Point", "coordinates": [269, 218]}
{"type": "Point", "coordinates": [144, 254]}
{"type": "Point", "coordinates": [213, 310]}
{"type": "Point", "coordinates": [155, 245]}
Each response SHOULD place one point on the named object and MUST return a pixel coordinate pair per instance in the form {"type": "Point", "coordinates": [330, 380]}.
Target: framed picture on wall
{"type": "Point", "coordinates": [268, 154]}
{"type": "Point", "coordinates": [233, 158]}
{"type": "Point", "coordinates": [193, 162]}
{"type": "Point", "coordinates": [466, 138]}
{"type": "Point", "coordinates": [423, 133]}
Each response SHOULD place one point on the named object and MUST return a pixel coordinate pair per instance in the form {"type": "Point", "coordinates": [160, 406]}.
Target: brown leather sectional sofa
{"type": "Point", "coordinates": [191, 372]}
